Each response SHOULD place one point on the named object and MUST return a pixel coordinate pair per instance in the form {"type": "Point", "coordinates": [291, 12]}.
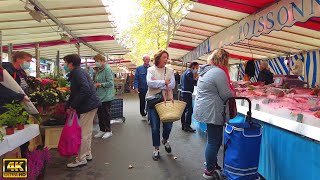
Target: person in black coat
{"type": "Point", "coordinates": [85, 102]}
{"type": "Point", "coordinates": [265, 75]}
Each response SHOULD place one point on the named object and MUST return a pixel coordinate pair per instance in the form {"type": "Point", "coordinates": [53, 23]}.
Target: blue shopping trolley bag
{"type": "Point", "coordinates": [242, 150]}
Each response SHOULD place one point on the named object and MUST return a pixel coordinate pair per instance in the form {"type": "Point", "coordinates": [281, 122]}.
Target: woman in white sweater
{"type": "Point", "coordinates": [159, 78]}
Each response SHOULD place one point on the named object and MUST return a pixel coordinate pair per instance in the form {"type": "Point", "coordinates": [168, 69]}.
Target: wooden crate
{"type": "Point", "coordinates": [52, 136]}
{"type": "Point", "coordinates": [35, 142]}
{"type": "Point", "coordinates": [16, 153]}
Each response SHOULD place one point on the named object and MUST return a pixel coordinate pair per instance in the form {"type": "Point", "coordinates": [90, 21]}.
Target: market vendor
{"type": "Point", "coordinates": [265, 75]}
{"type": "Point", "coordinates": [21, 62]}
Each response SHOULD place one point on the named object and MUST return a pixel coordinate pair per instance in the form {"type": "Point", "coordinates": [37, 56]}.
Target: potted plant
{"type": "Point", "coordinates": [22, 120]}
{"type": "Point", "coordinates": [14, 115]}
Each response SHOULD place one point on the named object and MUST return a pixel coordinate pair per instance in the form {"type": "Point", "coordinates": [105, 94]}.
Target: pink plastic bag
{"type": "Point", "coordinates": [70, 139]}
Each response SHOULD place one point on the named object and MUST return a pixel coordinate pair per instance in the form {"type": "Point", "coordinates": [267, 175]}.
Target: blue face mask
{"type": "Point", "coordinates": [66, 68]}
{"type": "Point", "coordinates": [194, 71]}
{"type": "Point", "coordinates": [98, 65]}
{"type": "Point", "coordinates": [25, 65]}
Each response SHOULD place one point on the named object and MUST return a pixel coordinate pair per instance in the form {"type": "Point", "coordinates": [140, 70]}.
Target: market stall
{"type": "Point", "coordinates": [286, 35]}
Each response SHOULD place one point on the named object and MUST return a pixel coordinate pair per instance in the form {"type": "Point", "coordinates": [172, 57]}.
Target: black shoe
{"type": "Point", "coordinates": [189, 129]}
{"type": "Point", "coordinates": [182, 128]}
{"type": "Point", "coordinates": [167, 146]}
{"type": "Point", "coordinates": [156, 155]}
{"type": "Point", "coordinates": [218, 167]}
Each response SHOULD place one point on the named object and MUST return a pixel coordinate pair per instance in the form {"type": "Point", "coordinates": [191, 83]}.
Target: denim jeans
{"type": "Point", "coordinates": [155, 127]}
{"type": "Point", "coordinates": [214, 141]}
{"type": "Point", "coordinates": [187, 113]}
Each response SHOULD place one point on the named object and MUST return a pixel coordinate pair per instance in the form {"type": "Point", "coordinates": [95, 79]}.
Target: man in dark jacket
{"type": "Point", "coordinates": [21, 61]}
{"type": "Point", "coordinates": [187, 87]}
{"type": "Point", "coordinates": [265, 75]}
{"type": "Point", "coordinates": [85, 102]}
{"type": "Point", "coordinates": [140, 84]}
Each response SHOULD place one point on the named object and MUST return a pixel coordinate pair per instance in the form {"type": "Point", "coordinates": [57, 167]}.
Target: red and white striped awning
{"type": "Point", "coordinates": [209, 18]}
{"type": "Point", "coordinates": [87, 19]}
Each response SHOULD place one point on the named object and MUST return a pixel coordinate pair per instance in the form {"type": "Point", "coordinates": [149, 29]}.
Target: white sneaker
{"type": "Point", "coordinates": [107, 135]}
{"type": "Point", "coordinates": [77, 163]}
{"type": "Point", "coordinates": [89, 157]}
{"type": "Point", "coordinates": [144, 118]}
{"type": "Point", "coordinates": [99, 134]}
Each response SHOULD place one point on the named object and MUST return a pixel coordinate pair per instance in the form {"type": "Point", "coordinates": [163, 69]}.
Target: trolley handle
{"type": "Point", "coordinates": [249, 114]}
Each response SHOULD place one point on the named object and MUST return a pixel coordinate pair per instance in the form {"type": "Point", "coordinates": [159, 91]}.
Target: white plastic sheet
{"type": "Point", "coordinates": [10, 83]}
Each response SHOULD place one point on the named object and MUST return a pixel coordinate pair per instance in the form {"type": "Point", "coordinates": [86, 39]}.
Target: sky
{"type": "Point", "coordinates": [122, 11]}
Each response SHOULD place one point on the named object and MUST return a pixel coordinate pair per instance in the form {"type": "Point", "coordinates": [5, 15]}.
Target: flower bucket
{"type": "Point", "coordinates": [20, 126]}
{"type": "Point", "coordinates": [40, 109]}
{"type": "Point", "coordinates": [9, 130]}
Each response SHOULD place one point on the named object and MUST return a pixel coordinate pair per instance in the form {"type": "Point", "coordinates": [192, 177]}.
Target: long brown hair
{"type": "Point", "coordinates": [158, 55]}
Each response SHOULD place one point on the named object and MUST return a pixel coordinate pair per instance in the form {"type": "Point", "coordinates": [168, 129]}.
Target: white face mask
{"type": "Point", "coordinates": [194, 71]}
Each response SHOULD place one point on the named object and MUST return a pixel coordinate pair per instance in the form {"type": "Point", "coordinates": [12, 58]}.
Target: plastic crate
{"type": "Point", "coordinates": [117, 109]}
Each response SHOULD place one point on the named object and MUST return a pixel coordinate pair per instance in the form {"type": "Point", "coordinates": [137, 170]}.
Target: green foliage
{"type": "Point", "coordinates": [153, 28]}
{"type": "Point", "coordinates": [15, 114]}
{"type": "Point", "coordinates": [1, 136]}
{"type": "Point", "coordinates": [62, 82]}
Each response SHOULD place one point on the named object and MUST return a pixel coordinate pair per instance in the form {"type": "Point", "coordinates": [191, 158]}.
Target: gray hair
{"type": "Point", "coordinates": [264, 64]}
{"type": "Point", "coordinates": [145, 55]}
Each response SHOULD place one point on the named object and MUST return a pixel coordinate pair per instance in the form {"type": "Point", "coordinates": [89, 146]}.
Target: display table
{"type": "Point", "coordinates": [19, 137]}
{"type": "Point", "coordinates": [289, 149]}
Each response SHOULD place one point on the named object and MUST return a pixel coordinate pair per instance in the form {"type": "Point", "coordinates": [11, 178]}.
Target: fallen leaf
{"type": "Point", "coordinates": [130, 167]}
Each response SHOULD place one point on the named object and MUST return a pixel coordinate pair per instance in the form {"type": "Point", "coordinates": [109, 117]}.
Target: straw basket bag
{"type": "Point", "coordinates": [170, 111]}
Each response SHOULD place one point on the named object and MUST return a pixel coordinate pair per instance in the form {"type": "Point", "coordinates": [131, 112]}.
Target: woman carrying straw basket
{"type": "Point", "coordinates": [159, 79]}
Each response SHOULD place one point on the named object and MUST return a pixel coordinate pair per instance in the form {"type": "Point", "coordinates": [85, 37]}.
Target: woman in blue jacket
{"type": "Point", "coordinates": [83, 100]}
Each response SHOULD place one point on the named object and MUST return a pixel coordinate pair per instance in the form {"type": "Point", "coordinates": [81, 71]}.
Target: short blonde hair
{"type": "Point", "coordinates": [219, 57]}
{"type": "Point", "coordinates": [99, 57]}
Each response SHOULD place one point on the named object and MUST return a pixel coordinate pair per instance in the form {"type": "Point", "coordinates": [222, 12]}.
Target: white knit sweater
{"type": "Point", "coordinates": [156, 79]}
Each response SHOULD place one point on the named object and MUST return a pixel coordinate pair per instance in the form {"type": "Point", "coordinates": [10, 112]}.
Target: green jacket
{"type": "Point", "coordinates": [105, 77]}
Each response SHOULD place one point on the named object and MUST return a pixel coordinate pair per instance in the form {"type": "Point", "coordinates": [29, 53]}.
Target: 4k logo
{"type": "Point", "coordinates": [15, 168]}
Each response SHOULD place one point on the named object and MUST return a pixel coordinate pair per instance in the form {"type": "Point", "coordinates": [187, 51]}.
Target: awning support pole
{"type": "Point", "coordinates": [58, 64]}
{"type": "Point", "coordinates": [37, 60]}
{"type": "Point", "coordinates": [10, 49]}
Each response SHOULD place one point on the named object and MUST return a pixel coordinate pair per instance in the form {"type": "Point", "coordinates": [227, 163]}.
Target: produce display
{"type": "Point", "coordinates": [297, 100]}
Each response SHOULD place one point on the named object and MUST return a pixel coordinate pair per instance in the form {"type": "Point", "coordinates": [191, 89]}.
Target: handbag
{"type": "Point", "coordinates": [70, 139]}
{"type": "Point", "coordinates": [157, 98]}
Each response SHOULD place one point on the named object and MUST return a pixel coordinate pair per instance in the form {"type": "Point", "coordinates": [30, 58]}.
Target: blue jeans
{"type": "Point", "coordinates": [155, 127]}
{"type": "Point", "coordinates": [214, 141]}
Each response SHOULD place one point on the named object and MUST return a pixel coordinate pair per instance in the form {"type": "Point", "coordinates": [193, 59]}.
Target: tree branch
{"type": "Point", "coordinates": [167, 11]}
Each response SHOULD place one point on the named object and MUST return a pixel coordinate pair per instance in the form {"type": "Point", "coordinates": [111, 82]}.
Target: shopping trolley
{"type": "Point", "coordinates": [241, 147]}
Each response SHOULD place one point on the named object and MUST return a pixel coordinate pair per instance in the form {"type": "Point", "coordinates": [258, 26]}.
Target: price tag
{"type": "Point", "coordinates": [300, 118]}
{"type": "Point", "coordinates": [257, 107]}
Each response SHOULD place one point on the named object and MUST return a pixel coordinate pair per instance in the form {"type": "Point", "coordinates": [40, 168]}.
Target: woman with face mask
{"type": "Point", "coordinates": [105, 89]}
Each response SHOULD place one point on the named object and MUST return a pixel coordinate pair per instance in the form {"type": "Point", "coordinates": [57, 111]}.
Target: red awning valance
{"type": "Point", "coordinates": [59, 42]}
